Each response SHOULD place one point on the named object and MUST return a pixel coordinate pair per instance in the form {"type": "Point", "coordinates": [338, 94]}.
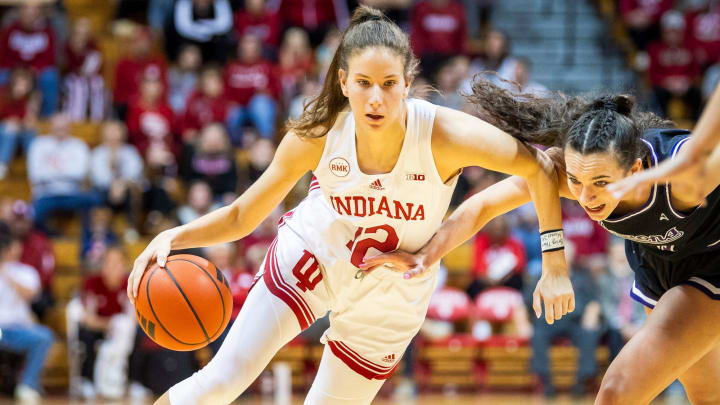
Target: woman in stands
{"type": "Point", "coordinates": [672, 241]}
{"type": "Point", "coordinates": [385, 167]}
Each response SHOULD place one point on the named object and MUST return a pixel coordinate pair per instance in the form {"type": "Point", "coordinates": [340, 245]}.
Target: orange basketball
{"type": "Point", "coordinates": [184, 305]}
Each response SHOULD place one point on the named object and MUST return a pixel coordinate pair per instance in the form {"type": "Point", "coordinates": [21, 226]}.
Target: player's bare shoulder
{"type": "Point", "coordinates": [452, 141]}
{"type": "Point", "coordinates": [301, 152]}
{"type": "Point", "coordinates": [448, 126]}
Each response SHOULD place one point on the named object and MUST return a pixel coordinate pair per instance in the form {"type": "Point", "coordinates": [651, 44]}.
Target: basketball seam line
{"type": "Point", "coordinates": [222, 300]}
{"type": "Point", "coordinates": [147, 293]}
{"type": "Point", "coordinates": [187, 300]}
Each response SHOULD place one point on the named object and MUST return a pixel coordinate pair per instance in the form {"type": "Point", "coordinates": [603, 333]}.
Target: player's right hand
{"type": "Point", "coordinates": [400, 261]}
{"type": "Point", "coordinates": [157, 251]}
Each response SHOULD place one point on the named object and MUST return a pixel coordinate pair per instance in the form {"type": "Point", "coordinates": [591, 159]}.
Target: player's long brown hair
{"type": "Point", "coordinates": [368, 27]}
{"type": "Point", "coordinates": [587, 124]}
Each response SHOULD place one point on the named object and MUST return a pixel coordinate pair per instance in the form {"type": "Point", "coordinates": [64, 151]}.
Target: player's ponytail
{"type": "Point", "coordinates": [588, 125]}
{"type": "Point", "coordinates": [368, 27]}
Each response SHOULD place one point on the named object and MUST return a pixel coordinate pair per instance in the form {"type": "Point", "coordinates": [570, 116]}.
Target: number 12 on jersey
{"type": "Point", "coordinates": [365, 238]}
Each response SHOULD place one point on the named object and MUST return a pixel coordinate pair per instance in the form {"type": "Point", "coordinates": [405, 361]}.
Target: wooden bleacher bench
{"type": "Point", "coordinates": [15, 188]}
{"type": "Point", "coordinates": [56, 368]}
{"type": "Point", "coordinates": [67, 253]}
{"type": "Point", "coordinates": [87, 131]}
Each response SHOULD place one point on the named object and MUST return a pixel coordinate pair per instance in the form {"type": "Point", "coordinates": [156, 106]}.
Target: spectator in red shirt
{"type": "Point", "coordinates": [240, 280]}
{"type": "Point", "coordinates": [30, 42]}
{"type": "Point", "coordinates": [19, 106]}
{"type": "Point", "coordinates": [250, 81]}
{"type": "Point", "coordinates": [499, 258]}
{"type": "Point", "coordinates": [642, 18]}
{"type": "Point", "coordinates": [588, 237]}
{"type": "Point", "coordinates": [103, 296]}
{"type": "Point", "coordinates": [438, 30]}
{"type": "Point", "coordinates": [258, 20]}
{"type": "Point", "coordinates": [703, 32]}
{"type": "Point", "coordinates": [150, 125]}
{"type": "Point", "coordinates": [131, 70]}
{"type": "Point", "coordinates": [673, 70]}
{"type": "Point", "coordinates": [207, 105]}
{"type": "Point", "coordinates": [314, 16]}
{"type": "Point", "coordinates": [84, 84]}
{"type": "Point", "coordinates": [296, 63]}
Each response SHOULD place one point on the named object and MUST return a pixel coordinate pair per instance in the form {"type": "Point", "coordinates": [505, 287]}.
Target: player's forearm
{"type": "Point", "coordinates": [544, 190]}
{"type": "Point", "coordinates": [706, 135]}
{"type": "Point", "coordinates": [216, 227]}
{"type": "Point", "coordinates": [705, 141]}
{"type": "Point", "coordinates": [473, 214]}
{"type": "Point", "coordinates": [234, 221]}
{"type": "Point", "coordinates": [462, 224]}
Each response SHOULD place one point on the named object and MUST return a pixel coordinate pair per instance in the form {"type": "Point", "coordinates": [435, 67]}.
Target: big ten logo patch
{"type": "Point", "coordinates": [415, 177]}
{"type": "Point", "coordinates": [339, 167]}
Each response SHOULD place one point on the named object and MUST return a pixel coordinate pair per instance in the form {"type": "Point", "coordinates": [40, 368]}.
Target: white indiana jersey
{"type": "Point", "coordinates": [349, 215]}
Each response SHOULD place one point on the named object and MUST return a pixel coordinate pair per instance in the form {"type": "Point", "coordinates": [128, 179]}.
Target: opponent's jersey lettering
{"type": "Point", "coordinates": [671, 235]}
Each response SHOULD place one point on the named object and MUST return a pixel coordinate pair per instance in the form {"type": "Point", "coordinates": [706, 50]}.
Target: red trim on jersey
{"type": "Point", "coordinates": [288, 215]}
{"type": "Point", "coordinates": [279, 288]}
{"type": "Point", "coordinates": [359, 364]}
{"type": "Point", "coordinates": [314, 184]}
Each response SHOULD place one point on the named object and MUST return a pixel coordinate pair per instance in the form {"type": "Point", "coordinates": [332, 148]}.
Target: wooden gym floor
{"type": "Point", "coordinates": [479, 399]}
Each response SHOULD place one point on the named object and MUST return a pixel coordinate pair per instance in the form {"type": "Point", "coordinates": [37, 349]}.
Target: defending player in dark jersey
{"type": "Point", "coordinates": [673, 240]}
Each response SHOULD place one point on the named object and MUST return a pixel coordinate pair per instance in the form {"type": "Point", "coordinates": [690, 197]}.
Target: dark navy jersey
{"type": "Point", "coordinates": [660, 230]}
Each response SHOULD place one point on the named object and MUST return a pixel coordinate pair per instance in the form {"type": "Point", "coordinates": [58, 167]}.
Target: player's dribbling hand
{"type": "Point", "coordinates": [556, 292]}
{"type": "Point", "coordinates": [400, 261]}
{"type": "Point", "coordinates": [156, 251]}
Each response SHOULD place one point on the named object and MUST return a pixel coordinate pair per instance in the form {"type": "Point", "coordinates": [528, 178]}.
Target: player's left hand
{"type": "Point", "coordinates": [400, 261]}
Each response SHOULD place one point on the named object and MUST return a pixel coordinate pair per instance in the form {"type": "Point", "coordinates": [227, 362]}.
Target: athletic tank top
{"type": "Point", "coordinates": [658, 228]}
{"type": "Point", "coordinates": [349, 214]}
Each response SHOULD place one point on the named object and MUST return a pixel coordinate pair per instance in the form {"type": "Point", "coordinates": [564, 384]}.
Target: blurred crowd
{"type": "Point", "coordinates": [678, 43]}
{"type": "Point", "coordinates": [189, 114]}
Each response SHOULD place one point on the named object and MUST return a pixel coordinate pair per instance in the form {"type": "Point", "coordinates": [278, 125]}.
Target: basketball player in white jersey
{"type": "Point", "coordinates": [385, 169]}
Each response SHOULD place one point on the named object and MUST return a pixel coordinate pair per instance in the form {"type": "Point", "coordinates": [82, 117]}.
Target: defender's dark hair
{"type": "Point", "coordinates": [588, 125]}
{"type": "Point", "coordinates": [368, 27]}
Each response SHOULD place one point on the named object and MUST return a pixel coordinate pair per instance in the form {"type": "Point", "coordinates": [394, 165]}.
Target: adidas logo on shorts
{"type": "Point", "coordinates": [390, 358]}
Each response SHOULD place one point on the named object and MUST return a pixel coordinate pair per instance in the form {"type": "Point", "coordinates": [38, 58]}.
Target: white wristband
{"type": "Point", "coordinates": [551, 241]}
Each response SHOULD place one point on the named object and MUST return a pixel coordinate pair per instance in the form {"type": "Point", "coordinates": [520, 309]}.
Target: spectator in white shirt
{"type": "Point", "coordinates": [57, 169]}
{"type": "Point", "coordinates": [19, 284]}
